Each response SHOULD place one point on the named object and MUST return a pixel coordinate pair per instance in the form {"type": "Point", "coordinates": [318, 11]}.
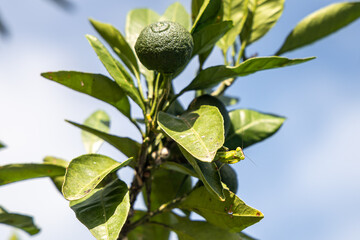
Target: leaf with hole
{"type": "Point", "coordinates": [84, 173]}
{"type": "Point", "coordinates": [249, 127]}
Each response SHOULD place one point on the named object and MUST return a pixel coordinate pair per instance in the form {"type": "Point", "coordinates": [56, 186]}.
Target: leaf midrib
{"type": "Point", "coordinates": [247, 126]}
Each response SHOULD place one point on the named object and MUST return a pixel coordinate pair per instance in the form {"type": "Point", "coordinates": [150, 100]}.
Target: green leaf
{"type": "Point", "coordinates": [228, 176]}
{"type": "Point", "coordinates": [235, 11]}
{"type": "Point", "coordinates": [95, 85]}
{"type": "Point", "coordinates": [229, 100]}
{"type": "Point", "coordinates": [249, 127]}
{"type": "Point", "coordinates": [232, 214]}
{"type": "Point", "coordinates": [177, 13]}
{"type": "Point", "coordinates": [208, 173]}
{"type": "Point", "coordinates": [262, 17]}
{"type": "Point", "coordinates": [182, 168]}
{"type": "Point", "coordinates": [136, 21]}
{"type": "Point", "coordinates": [116, 70]}
{"type": "Point", "coordinates": [320, 24]}
{"type": "Point", "coordinates": [100, 121]}
{"type": "Point", "coordinates": [151, 231]}
{"type": "Point", "coordinates": [118, 44]}
{"type": "Point", "coordinates": [199, 230]}
{"type": "Point", "coordinates": [1, 145]}
{"type": "Point", "coordinates": [105, 211]}
{"type": "Point", "coordinates": [195, 9]}
{"type": "Point", "coordinates": [167, 185]}
{"type": "Point", "coordinates": [244, 236]}
{"type": "Point", "coordinates": [207, 14]}
{"type": "Point", "coordinates": [205, 38]}
{"type": "Point", "coordinates": [214, 75]}
{"type": "Point", "coordinates": [22, 222]}
{"type": "Point", "coordinates": [18, 172]}
{"type": "Point", "coordinates": [200, 132]}
{"type": "Point", "coordinates": [58, 180]}
{"type": "Point", "coordinates": [126, 145]}
{"type": "Point", "coordinates": [84, 173]}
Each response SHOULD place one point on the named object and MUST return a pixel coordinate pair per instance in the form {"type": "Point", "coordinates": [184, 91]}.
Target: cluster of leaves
{"type": "Point", "coordinates": [178, 145]}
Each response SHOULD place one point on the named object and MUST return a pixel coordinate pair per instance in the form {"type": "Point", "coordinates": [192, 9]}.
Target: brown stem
{"type": "Point", "coordinates": [136, 185]}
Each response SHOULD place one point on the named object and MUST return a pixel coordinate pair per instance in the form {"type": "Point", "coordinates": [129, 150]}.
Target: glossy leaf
{"type": "Point", "coordinates": [118, 44]}
{"type": "Point", "coordinates": [320, 24]}
{"type": "Point", "coordinates": [209, 100]}
{"type": "Point", "coordinates": [208, 173]}
{"type": "Point", "coordinates": [235, 11]}
{"type": "Point", "coordinates": [100, 121]}
{"type": "Point", "coordinates": [208, 13]}
{"type": "Point", "coordinates": [167, 185]}
{"type": "Point", "coordinates": [105, 210]}
{"type": "Point", "coordinates": [126, 145]}
{"type": "Point", "coordinates": [116, 70]}
{"type": "Point", "coordinates": [22, 222]}
{"type": "Point", "coordinates": [58, 180]}
{"type": "Point", "coordinates": [177, 13]}
{"type": "Point", "coordinates": [84, 173]}
{"type": "Point", "coordinates": [18, 172]}
{"type": "Point", "coordinates": [214, 75]}
{"type": "Point", "coordinates": [262, 17]}
{"type": "Point", "coordinates": [199, 230]}
{"type": "Point", "coordinates": [95, 85]}
{"type": "Point", "coordinates": [249, 127]}
{"type": "Point", "coordinates": [205, 38]}
{"type": "Point", "coordinates": [136, 21]}
{"type": "Point", "coordinates": [200, 132]}
{"type": "Point", "coordinates": [232, 214]}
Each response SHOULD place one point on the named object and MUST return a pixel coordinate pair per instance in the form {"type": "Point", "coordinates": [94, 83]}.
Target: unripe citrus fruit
{"type": "Point", "coordinates": [164, 46]}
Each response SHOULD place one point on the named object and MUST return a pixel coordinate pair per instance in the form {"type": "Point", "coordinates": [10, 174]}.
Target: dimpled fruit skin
{"type": "Point", "coordinates": [164, 46]}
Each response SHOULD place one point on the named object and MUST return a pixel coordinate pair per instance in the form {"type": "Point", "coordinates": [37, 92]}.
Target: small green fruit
{"type": "Point", "coordinates": [164, 46]}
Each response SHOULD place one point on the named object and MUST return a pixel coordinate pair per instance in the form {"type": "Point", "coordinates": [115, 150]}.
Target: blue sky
{"type": "Point", "coordinates": [304, 179]}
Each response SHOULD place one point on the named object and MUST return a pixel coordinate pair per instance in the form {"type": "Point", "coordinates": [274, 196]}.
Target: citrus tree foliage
{"type": "Point", "coordinates": [184, 158]}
